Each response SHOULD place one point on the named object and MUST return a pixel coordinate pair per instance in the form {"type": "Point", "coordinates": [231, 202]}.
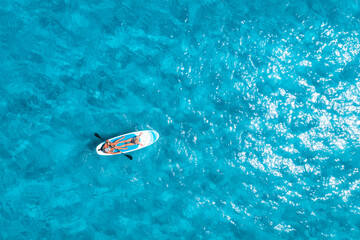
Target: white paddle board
{"type": "Point", "coordinates": [147, 138]}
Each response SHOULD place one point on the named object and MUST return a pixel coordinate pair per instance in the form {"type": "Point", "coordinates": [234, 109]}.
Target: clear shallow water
{"type": "Point", "coordinates": [256, 103]}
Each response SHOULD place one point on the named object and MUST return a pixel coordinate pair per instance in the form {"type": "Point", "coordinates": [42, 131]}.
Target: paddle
{"type": "Point", "coordinates": [98, 136]}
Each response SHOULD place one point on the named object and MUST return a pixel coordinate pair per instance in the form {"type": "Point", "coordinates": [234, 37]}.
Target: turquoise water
{"type": "Point", "coordinates": [257, 104]}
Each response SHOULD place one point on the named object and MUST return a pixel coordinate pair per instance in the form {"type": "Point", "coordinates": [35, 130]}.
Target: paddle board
{"type": "Point", "coordinates": [147, 138]}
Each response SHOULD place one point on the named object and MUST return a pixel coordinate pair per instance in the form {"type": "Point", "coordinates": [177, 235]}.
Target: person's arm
{"type": "Point", "coordinates": [113, 149]}
{"type": "Point", "coordinates": [108, 143]}
{"type": "Point", "coordinates": [138, 138]}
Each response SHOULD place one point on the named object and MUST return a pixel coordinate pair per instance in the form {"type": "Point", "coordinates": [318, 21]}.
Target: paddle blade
{"type": "Point", "coordinates": [130, 157]}
{"type": "Point", "coordinates": [98, 136]}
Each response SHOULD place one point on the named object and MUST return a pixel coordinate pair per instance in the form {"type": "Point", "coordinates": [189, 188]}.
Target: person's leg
{"type": "Point", "coordinates": [117, 141]}
{"type": "Point", "coordinates": [125, 141]}
{"type": "Point", "coordinates": [128, 144]}
{"type": "Point", "coordinates": [122, 147]}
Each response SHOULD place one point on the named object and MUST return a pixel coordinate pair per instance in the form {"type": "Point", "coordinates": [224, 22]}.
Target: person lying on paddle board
{"type": "Point", "coordinates": [129, 142]}
{"type": "Point", "coordinates": [109, 147]}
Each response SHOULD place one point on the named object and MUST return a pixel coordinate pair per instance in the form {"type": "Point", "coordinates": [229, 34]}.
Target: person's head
{"type": "Point", "coordinates": [106, 147]}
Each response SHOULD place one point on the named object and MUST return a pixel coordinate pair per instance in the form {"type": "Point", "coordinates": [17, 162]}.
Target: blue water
{"type": "Point", "coordinates": [257, 104]}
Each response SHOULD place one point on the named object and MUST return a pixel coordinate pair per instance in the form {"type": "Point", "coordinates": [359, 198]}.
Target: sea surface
{"type": "Point", "coordinates": [257, 104]}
